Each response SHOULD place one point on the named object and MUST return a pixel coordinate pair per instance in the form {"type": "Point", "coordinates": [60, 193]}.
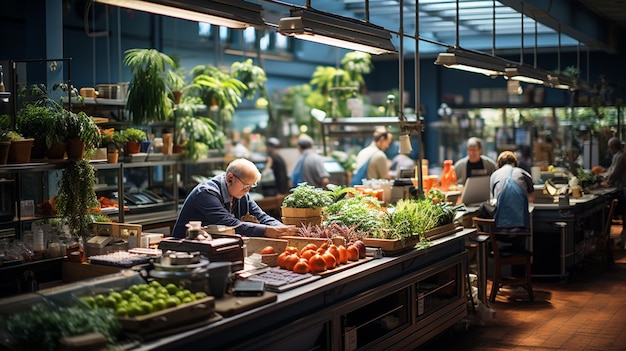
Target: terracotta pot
{"type": "Point", "coordinates": [177, 95]}
{"type": "Point", "coordinates": [113, 156]}
{"type": "Point", "coordinates": [75, 149]}
{"type": "Point", "coordinates": [56, 151]}
{"type": "Point", "coordinates": [20, 150]}
{"type": "Point", "coordinates": [39, 149]}
{"type": "Point", "coordinates": [132, 147]}
{"type": "Point", "coordinates": [177, 149]}
{"type": "Point", "coordinates": [4, 151]}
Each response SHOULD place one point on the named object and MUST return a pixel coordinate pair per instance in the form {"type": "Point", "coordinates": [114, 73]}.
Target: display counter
{"type": "Point", "coordinates": [387, 303]}
{"type": "Point", "coordinates": [564, 233]}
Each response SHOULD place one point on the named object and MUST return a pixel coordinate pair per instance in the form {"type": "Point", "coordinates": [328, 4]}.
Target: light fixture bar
{"type": "Point", "coordinates": [326, 28]}
{"type": "Point", "coordinates": [471, 62]}
{"type": "Point", "coordinates": [560, 81]}
{"type": "Point", "coordinates": [236, 14]}
{"type": "Point", "coordinates": [526, 74]}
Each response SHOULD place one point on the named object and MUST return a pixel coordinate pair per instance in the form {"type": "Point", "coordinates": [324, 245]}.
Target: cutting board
{"type": "Point", "coordinates": [230, 305]}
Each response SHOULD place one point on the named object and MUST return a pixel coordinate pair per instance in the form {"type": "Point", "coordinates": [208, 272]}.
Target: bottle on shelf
{"type": "Point", "coordinates": [448, 176]}
{"type": "Point", "coordinates": [1, 80]}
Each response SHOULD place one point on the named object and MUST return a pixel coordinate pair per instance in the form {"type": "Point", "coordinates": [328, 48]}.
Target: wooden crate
{"type": "Point", "coordinates": [302, 221]}
{"type": "Point", "coordinates": [392, 246]}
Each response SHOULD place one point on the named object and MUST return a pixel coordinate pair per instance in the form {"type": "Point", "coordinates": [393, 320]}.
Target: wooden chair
{"type": "Point", "coordinates": [604, 240]}
{"type": "Point", "coordinates": [505, 256]}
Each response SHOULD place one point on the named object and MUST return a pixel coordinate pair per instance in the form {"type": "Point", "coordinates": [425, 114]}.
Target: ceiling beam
{"type": "Point", "coordinates": [571, 18]}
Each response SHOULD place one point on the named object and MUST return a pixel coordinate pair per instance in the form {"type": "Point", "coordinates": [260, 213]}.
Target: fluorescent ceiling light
{"type": "Point", "coordinates": [526, 74]}
{"type": "Point", "coordinates": [326, 28]}
{"type": "Point", "coordinates": [237, 14]}
{"type": "Point", "coordinates": [471, 62]}
{"type": "Point", "coordinates": [559, 81]}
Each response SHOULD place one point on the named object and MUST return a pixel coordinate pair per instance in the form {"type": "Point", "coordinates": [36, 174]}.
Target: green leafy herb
{"type": "Point", "coordinates": [361, 212]}
{"type": "Point", "coordinates": [307, 196]}
{"type": "Point", "coordinates": [40, 328]}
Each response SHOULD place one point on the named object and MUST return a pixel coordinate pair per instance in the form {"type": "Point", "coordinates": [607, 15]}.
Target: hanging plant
{"type": "Point", "coordinates": [77, 201]}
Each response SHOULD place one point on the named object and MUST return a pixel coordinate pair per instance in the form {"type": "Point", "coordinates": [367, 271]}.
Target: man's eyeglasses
{"type": "Point", "coordinates": [245, 186]}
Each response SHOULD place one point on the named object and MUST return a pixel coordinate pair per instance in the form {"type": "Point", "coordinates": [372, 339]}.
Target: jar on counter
{"type": "Point", "coordinates": [448, 176]}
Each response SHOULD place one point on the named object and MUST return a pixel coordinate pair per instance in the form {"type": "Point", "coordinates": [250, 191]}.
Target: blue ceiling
{"type": "Point", "coordinates": [484, 25]}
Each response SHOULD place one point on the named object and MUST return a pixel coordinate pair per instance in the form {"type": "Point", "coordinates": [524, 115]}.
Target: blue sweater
{"type": "Point", "coordinates": [209, 202]}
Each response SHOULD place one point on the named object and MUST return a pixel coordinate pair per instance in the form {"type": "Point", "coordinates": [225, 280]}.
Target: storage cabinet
{"type": "Point", "coordinates": [392, 303]}
{"type": "Point", "coordinates": [26, 188]}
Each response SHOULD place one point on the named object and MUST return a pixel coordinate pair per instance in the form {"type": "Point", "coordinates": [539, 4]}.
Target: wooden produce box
{"type": "Point", "coordinates": [393, 246]}
{"type": "Point", "coordinates": [300, 212]}
{"type": "Point", "coordinates": [302, 221]}
{"type": "Point", "coordinates": [169, 318]}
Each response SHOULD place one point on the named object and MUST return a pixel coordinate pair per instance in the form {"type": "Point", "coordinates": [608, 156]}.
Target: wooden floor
{"type": "Point", "coordinates": [588, 312]}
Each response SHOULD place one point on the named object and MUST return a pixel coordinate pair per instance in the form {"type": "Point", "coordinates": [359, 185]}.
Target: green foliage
{"type": "Point", "coordinates": [41, 327]}
{"type": "Point", "coordinates": [5, 122]}
{"type": "Point", "coordinates": [34, 121]}
{"type": "Point", "coordinates": [219, 90]}
{"type": "Point", "coordinates": [346, 159]}
{"type": "Point", "coordinates": [200, 134]}
{"type": "Point", "coordinates": [9, 135]}
{"type": "Point", "coordinates": [148, 91]}
{"type": "Point", "coordinates": [307, 196]}
{"type": "Point", "coordinates": [80, 126]}
{"type": "Point", "coordinates": [77, 196]}
{"type": "Point", "coordinates": [133, 134]}
{"type": "Point", "coordinates": [362, 212]}
{"type": "Point", "coordinates": [252, 76]}
{"type": "Point", "coordinates": [414, 217]}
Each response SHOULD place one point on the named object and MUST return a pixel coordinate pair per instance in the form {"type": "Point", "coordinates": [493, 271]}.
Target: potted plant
{"type": "Point", "coordinates": [196, 134]}
{"type": "Point", "coordinates": [34, 121]}
{"type": "Point", "coordinates": [219, 90]}
{"type": "Point", "coordinates": [82, 133]}
{"type": "Point", "coordinates": [305, 201]}
{"type": "Point", "coordinates": [113, 141]}
{"type": "Point", "coordinates": [133, 137]}
{"type": "Point", "coordinates": [76, 200]}
{"type": "Point", "coordinates": [148, 90]}
{"type": "Point", "coordinates": [6, 137]}
{"type": "Point", "coordinates": [176, 80]}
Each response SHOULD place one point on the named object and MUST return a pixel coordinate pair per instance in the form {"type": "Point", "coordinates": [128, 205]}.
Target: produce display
{"type": "Point", "coordinates": [314, 259]}
{"type": "Point", "coordinates": [355, 215]}
{"type": "Point", "coordinates": [142, 299]}
{"type": "Point", "coordinates": [41, 327]}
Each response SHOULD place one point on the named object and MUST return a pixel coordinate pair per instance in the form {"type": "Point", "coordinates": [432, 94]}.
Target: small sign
{"type": "Point", "coordinates": [27, 208]}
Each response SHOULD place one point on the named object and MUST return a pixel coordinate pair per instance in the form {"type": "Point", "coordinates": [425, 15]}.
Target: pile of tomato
{"type": "Point", "coordinates": [314, 259]}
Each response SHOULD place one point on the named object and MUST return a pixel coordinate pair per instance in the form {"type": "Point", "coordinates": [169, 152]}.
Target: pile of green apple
{"type": "Point", "coordinates": [142, 299]}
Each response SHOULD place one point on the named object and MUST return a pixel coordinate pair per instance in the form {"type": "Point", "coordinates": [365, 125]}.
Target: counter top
{"type": "Point", "coordinates": [317, 295]}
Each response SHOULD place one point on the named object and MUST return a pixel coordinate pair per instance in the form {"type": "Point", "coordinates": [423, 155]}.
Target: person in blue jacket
{"type": "Point", "coordinates": [225, 200]}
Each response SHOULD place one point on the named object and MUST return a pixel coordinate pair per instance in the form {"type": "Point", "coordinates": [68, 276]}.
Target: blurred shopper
{"type": "Point", "coordinates": [276, 165]}
{"type": "Point", "coordinates": [310, 165]}
{"type": "Point", "coordinates": [615, 176]}
{"type": "Point", "coordinates": [475, 163]}
{"type": "Point", "coordinates": [512, 187]}
{"type": "Point", "coordinates": [371, 162]}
